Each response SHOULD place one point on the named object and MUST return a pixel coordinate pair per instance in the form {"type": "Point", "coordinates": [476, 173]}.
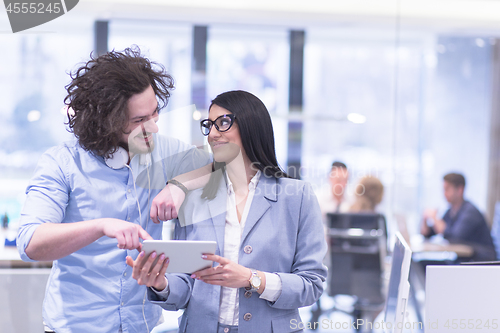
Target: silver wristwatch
{"type": "Point", "coordinates": [255, 280]}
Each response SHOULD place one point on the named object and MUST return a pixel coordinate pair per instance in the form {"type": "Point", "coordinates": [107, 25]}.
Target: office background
{"type": "Point", "coordinates": [404, 90]}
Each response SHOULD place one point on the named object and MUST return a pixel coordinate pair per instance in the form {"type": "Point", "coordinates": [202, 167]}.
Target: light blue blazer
{"type": "Point", "coordinates": [283, 234]}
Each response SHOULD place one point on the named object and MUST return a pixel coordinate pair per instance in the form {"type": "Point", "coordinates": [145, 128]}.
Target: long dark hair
{"type": "Point", "coordinates": [99, 93]}
{"type": "Point", "coordinates": [257, 137]}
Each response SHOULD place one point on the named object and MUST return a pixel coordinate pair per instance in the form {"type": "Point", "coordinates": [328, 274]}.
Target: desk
{"type": "Point", "coordinates": [435, 251]}
{"type": "Point", "coordinates": [462, 299]}
{"type": "Point", "coordinates": [22, 286]}
{"type": "Point", "coordinates": [9, 258]}
{"type": "Point", "coordinates": [22, 293]}
{"type": "Point", "coordinates": [439, 249]}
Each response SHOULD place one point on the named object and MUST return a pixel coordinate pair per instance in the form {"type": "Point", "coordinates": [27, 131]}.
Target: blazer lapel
{"type": "Point", "coordinates": [217, 208]}
{"type": "Point", "coordinates": [265, 191]}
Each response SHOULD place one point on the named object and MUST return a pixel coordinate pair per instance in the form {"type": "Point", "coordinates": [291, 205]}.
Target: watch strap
{"type": "Point", "coordinates": [179, 185]}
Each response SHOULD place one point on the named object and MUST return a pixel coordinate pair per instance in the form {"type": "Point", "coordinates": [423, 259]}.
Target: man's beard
{"type": "Point", "coordinates": [138, 145]}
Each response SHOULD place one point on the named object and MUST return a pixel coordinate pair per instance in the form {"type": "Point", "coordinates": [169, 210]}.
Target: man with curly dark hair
{"type": "Point", "coordinates": [87, 204]}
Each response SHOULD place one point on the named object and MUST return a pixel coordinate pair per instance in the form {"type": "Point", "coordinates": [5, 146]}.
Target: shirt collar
{"type": "Point", "coordinates": [251, 186]}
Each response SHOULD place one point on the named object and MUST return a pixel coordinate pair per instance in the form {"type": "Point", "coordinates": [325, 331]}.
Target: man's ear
{"type": "Point", "coordinates": [461, 190]}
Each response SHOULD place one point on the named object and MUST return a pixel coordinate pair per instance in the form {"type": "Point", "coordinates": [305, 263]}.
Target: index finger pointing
{"type": "Point", "coordinates": [144, 234]}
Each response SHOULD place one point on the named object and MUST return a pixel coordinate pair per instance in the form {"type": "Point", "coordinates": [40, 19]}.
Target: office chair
{"type": "Point", "coordinates": [357, 248]}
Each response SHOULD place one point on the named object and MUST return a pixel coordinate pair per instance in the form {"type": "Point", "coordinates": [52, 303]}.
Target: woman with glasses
{"type": "Point", "coordinates": [268, 228]}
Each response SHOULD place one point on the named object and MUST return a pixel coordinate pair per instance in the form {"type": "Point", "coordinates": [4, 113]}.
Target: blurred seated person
{"type": "Point", "coordinates": [369, 193]}
{"type": "Point", "coordinates": [462, 222]}
{"type": "Point", "coordinates": [335, 200]}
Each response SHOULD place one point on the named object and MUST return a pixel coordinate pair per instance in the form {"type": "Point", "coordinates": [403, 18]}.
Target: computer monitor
{"type": "Point", "coordinates": [399, 287]}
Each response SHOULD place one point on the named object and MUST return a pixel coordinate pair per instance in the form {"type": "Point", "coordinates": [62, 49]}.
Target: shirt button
{"type": "Point", "coordinates": [247, 316]}
{"type": "Point", "coordinates": [226, 329]}
{"type": "Point", "coordinates": [248, 249]}
{"type": "Point", "coordinates": [123, 304]}
{"type": "Point", "coordinates": [125, 274]}
{"type": "Point", "coordinates": [128, 191]}
{"type": "Point", "coordinates": [248, 294]}
{"type": "Point", "coordinates": [128, 218]}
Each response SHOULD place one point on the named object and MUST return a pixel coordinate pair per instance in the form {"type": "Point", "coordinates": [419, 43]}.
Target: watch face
{"type": "Point", "coordinates": [256, 282]}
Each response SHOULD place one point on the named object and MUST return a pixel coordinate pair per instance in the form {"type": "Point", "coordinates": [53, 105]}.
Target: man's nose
{"type": "Point", "coordinates": [150, 125]}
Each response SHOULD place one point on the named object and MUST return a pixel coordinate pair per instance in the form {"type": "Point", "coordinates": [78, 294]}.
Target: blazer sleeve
{"type": "Point", "coordinates": [180, 286]}
{"type": "Point", "coordinates": [304, 284]}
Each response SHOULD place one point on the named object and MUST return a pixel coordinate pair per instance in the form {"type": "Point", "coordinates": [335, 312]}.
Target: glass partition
{"type": "Point", "coordinates": [34, 70]}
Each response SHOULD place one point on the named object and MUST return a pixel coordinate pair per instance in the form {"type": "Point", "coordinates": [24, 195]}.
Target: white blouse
{"type": "Point", "coordinates": [229, 301]}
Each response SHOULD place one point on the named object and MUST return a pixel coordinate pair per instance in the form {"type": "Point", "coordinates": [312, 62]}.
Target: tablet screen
{"type": "Point", "coordinates": [184, 255]}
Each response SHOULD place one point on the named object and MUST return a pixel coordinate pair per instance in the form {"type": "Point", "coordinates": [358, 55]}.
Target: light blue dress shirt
{"type": "Point", "coordinates": [92, 290]}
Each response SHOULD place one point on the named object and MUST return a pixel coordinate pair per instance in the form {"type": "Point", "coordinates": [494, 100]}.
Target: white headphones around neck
{"type": "Point", "coordinates": [118, 160]}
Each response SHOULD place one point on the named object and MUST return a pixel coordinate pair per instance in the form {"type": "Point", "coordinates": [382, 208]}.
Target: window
{"type": "Point", "coordinates": [33, 73]}
{"type": "Point", "coordinates": [405, 116]}
{"type": "Point", "coordinates": [256, 60]}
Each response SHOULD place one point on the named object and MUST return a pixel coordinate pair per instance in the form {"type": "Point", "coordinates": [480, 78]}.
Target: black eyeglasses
{"type": "Point", "coordinates": [222, 123]}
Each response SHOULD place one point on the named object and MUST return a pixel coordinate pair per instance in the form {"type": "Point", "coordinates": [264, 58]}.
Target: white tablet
{"type": "Point", "coordinates": [184, 255]}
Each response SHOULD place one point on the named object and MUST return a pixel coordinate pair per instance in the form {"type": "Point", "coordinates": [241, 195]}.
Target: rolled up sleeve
{"type": "Point", "coordinates": [46, 200]}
